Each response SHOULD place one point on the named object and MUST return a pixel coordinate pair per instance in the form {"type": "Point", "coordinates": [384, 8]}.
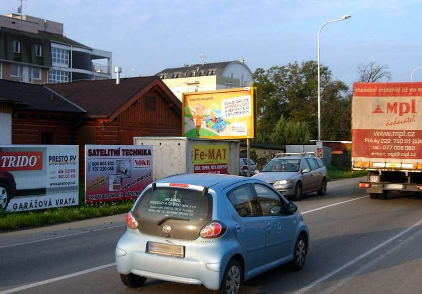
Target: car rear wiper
{"type": "Point", "coordinates": [164, 219]}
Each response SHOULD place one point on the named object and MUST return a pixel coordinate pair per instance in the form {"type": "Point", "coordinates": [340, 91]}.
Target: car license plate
{"type": "Point", "coordinates": [393, 186]}
{"type": "Point", "coordinates": [166, 249]}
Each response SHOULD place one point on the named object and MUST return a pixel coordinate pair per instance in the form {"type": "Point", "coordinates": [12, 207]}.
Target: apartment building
{"type": "Point", "coordinates": [207, 76]}
{"type": "Point", "coordinates": [34, 50]}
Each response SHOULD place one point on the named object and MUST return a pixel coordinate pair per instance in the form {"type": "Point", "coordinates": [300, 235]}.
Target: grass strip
{"type": "Point", "coordinates": [335, 173]}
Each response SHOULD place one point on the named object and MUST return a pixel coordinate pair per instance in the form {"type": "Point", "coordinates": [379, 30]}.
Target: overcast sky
{"type": "Point", "coordinates": [146, 36]}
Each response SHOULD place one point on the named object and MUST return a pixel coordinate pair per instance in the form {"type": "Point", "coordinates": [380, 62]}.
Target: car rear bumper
{"type": "Point", "coordinates": [203, 263]}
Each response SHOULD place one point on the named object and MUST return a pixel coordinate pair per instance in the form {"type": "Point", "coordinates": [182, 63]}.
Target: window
{"type": "Point", "coordinates": [60, 56]}
{"type": "Point", "coordinates": [16, 71]}
{"type": "Point", "coordinates": [320, 162]}
{"type": "Point", "coordinates": [58, 76]}
{"type": "Point", "coordinates": [150, 103]}
{"type": "Point", "coordinates": [38, 50]}
{"type": "Point", "coordinates": [34, 73]}
{"type": "Point", "coordinates": [244, 201]}
{"type": "Point", "coordinates": [305, 164]}
{"type": "Point", "coordinates": [16, 46]}
{"type": "Point", "coordinates": [269, 201]}
{"type": "Point", "coordinates": [312, 163]}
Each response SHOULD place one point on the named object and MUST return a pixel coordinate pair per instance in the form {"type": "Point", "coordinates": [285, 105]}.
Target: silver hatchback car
{"type": "Point", "coordinates": [295, 175]}
{"type": "Point", "coordinates": [211, 230]}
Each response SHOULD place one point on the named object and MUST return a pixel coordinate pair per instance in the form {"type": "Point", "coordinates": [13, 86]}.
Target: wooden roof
{"type": "Point", "coordinates": [105, 98]}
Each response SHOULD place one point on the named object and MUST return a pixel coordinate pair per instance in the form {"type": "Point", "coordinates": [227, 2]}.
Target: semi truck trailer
{"type": "Point", "coordinates": [387, 137]}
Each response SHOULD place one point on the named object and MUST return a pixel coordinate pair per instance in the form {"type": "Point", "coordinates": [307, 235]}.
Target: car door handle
{"type": "Point", "coordinates": [268, 225]}
{"type": "Point", "coordinates": [237, 228]}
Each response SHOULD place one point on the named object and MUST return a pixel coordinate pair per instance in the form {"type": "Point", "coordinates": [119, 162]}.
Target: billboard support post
{"type": "Point", "coordinates": [248, 150]}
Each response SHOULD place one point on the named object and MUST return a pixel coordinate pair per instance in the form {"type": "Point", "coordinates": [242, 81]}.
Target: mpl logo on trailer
{"type": "Point", "coordinates": [399, 108]}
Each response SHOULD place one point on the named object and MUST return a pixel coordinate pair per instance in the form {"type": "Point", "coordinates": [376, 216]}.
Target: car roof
{"type": "Point", "coordinates": [204, 180]}
{"type": "Point", "coordinates": [289, 157]}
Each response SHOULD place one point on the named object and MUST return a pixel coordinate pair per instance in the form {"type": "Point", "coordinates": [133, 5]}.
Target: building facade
{"type": "Point", "coordinates": [34, 50]}
{"type": "Point", "coordinates": [206, 77]}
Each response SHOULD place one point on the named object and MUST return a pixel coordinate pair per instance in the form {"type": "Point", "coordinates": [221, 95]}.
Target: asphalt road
{"type": "Point", "coordinates": [358, 245]}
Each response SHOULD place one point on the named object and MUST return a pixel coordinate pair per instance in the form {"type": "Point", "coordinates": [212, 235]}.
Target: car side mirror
{"type": "Point", "coordinates": [275, 210]}
{"type": "Point", "coordinates": [291, 208]}
{"type": "Point", "coordinates": [305, 171]}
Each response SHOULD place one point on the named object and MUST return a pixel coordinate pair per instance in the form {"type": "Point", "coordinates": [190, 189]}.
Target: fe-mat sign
{"type": "Point", "coordinates": [116, 172]}
{"type": "Point", "coordinates": [220, 114]}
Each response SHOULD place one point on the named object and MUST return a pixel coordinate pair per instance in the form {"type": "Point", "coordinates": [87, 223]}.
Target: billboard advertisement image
{"type": "Point", "coordinates": [220, 114]}
{"type": "Point", "coordinates": [116, 172]}
{"type": "Point", "coordinates": [38, 177]}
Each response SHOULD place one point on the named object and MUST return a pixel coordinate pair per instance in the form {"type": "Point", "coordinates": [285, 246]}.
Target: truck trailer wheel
{"type": "Point", "coordinates": [373, 195]}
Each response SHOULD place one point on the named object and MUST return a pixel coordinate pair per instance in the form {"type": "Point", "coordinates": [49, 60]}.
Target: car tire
{"type": "Point", "coordinates": [298, 192]}
{"type": "Point", "coordinates": [323, 189]}
{"type": "Point", "coordinates": [132, 281]}
{"type": "Point", "coordinates": [4, 196]}
{"type": "Point", "coordinates": [373, 195]}
{"type": "Point", "coordinates": [299, 253]}
{"type": "Point", "coordinates": [232, 278]}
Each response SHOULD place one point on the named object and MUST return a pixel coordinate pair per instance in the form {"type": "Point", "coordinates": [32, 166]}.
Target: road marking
{"type": "Point", "coordinates": [335, 204]}
{"type": "Point", "coordinates": [29, 286]}
{"type": "Point", "coordinates": [336, 271]}
{"type": "Point", "coordinates": [371, 263]}
{"type": "Point", "coordinates": [59, 237]}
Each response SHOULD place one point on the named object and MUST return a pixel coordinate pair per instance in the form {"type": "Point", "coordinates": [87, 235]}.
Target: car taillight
{"type": "Point", "coordinates": [131, 221]}
{"type": "Point", "coordinates": [364, 185]}
{"type": "Point", "coordinates": [419, 188]}
{"type": "Point", "coordinates": [213, 230]}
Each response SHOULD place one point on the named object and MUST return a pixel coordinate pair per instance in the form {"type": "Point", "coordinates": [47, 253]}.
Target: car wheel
{"type": "Point", "coordinates": [299, 254]}
{"type": "Point", "coordinates": [132, 281]}
{"type": "Point", "coordinates": [298, 192]}
{"type": "Point", "coordinates": [373, 195]}
{"type": "Point", "coordinates": [4, 196]}
{"type": "Point", "coordinates": [232, 278]}
{"type": "Point", "coordinates": [323, 189]}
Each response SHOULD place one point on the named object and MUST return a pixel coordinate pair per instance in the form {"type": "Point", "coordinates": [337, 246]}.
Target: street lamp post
{"type": "Point", "coordinates": [411, 76]}
{"type": "Point", "coordinates": [319, 76]}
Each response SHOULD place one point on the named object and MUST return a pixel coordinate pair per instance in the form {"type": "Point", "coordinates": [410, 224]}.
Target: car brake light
{"type": "Point", "coordinates": [131, 221]}
{"type": "Point", "coordinates": [213, 230]}
{"type": "Point", "coordinates": [179, 185]}
{"type": "Point", "coordinates": [419, 188]}
{"type": "Point", "coordinates": [364, 185]}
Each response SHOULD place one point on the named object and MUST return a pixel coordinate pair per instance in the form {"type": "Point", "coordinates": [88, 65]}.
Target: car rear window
{"type": "Point", "coordinates": [185, 211]}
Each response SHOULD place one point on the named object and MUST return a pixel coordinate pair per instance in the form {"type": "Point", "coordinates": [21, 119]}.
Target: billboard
{"type": "Point", "coordinates": [220, 114]}
{"type": "Point", "coordinates": [38, 177]}
{"type": "Point", "coordinates": [387, 122]}
{"type": "Point", "coordinates": [116, 172]}
{"type": "Point", "coordinates": [210, 159]}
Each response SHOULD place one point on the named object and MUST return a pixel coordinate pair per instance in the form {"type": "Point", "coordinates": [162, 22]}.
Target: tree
{"type": "Point", "coordinates": [372, 72]}
{"type": "Point", "coordinates": [288, 95]}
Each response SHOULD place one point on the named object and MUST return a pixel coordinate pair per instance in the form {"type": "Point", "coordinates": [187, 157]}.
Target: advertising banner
{"type": "Point", "coordinates": [38, 176]}
{"type": "Point", "coordinates": [221, 114]}
{"type": "Point", "coordinates": [387, 121]}
{"type": "Point", "coordinates": [210, 159]}
{"type": "Point", "coordinates": [116, 172]}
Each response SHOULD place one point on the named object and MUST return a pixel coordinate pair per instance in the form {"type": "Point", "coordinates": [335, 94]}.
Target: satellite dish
{"type": "Point", "coordinates": [19, 9]}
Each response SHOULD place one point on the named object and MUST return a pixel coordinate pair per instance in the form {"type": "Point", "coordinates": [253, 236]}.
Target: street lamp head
{"type": "Point", "coordinates": [346, 16]}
